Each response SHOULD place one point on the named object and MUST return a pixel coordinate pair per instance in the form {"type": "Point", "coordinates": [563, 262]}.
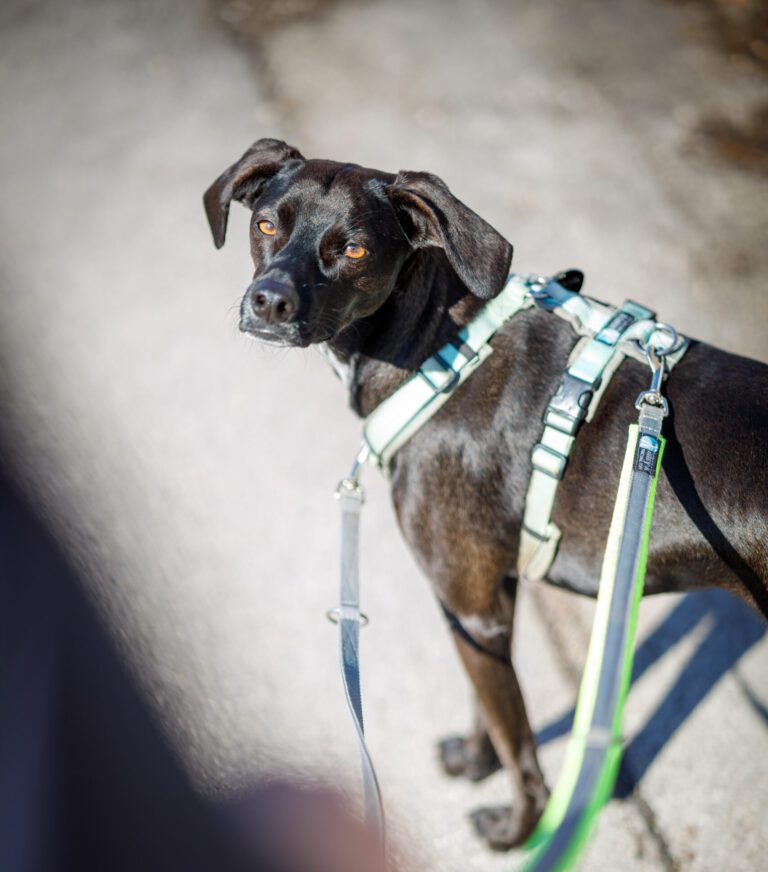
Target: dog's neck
{"type": "Point", "coordinates": [375, 355]}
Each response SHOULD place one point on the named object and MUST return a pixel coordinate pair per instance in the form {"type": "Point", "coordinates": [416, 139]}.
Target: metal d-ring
{"type": "Point", "coordinates": [674, 344]}
{"type": "Point", "coordinates": [537, 286]}
{"type": "Point", "coordinates": [656, 353]}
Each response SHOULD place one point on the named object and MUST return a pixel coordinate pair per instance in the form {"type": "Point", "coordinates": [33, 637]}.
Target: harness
{"type": "Point", "coordinates": [608, 335]}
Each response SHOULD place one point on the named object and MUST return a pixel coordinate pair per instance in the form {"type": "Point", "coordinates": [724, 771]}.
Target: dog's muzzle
{"type": "Point", "coordinates": [269, 312]}
{"type": "Point", "coordinates": [272, 302]}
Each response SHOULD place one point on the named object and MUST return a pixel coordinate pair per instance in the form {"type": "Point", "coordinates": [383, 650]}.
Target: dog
{"type": "Point", "coordinates": [379, 271]}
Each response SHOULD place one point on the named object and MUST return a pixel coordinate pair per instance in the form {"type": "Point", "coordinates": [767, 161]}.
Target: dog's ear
{"type": "Point", "coordinates": [430, 215]}
{"type": "Point", "coordinates": [244, 180]}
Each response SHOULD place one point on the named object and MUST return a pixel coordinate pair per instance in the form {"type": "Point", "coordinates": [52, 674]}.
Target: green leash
{"type": "Point", "coordinates": [594, 751]}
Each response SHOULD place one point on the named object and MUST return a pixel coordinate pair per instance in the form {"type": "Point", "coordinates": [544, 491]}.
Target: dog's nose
{"type": "Point", "coordinates": [273, 302]}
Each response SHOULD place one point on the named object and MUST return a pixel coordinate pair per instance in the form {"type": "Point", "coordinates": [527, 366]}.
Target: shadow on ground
{"type": "Point", "coordinates": [731, 628]}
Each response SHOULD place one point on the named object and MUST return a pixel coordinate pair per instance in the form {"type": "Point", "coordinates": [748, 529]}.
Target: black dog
{"type": "Point", "coordinates": [383, 270]}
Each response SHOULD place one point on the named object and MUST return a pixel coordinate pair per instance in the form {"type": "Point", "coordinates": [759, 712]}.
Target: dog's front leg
{"type": "Point", "coordinates": [485, 646]}
{"type": "Point", "coordinates": [501, 702]}
{"type": "Point", "coordinates": [472, 756]}
{"type": "Point", "coordinates": [465, 551]}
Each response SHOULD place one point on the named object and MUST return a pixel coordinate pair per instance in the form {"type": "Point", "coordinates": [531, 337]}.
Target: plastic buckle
{"type": "Point", "coordinates": [568, 408]}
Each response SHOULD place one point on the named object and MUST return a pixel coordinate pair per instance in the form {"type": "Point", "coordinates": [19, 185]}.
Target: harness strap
{"type": "Point", "coordinates": [589, 317]}
{"type": "Point", "coordinates": [593, 363]}
{"type": "Point", "coordinates": [585, 315]}
{"type": "Point", "coordinates": [402, 414]}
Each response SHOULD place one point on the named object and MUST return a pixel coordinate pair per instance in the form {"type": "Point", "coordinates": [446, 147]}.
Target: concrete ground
{"type": "Point", "coordinates": [189, 472]}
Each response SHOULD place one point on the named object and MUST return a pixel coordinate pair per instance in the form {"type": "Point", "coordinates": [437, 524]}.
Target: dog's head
{"type": "Point", "coordinates": [329, 240]}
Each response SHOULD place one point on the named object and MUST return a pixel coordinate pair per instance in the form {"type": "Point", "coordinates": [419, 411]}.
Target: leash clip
{"type": "Point", "coordinates": [350, 486]}
{"type": "Point", "coordinates": [351, 494]}
{"type": "Point", "coordinates": [655, 355]}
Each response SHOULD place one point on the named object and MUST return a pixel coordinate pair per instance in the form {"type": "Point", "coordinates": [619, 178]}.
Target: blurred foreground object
{"type": "Point", "coordinates": [86, 779]}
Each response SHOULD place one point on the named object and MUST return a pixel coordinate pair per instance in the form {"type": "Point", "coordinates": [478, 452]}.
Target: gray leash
{"type": "Point", "coordinates": [348, 616]}
{"type": "Point", "coordinates": [594, 753]}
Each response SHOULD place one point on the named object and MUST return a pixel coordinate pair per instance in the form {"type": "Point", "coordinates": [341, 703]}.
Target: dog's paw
{"type": "Point", "coordinates": [501, 828]}
{"type": "Point", "coordinates": [466, 758]}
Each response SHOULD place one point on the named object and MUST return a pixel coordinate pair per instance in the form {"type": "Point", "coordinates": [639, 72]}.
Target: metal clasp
{"type": "Point", "coordinates": [352, 496]}
{"type": "Point", "coordinates": [538, 286]}
{"type": "Point", "coordinates": [656, 354]}
{"type": "Point", "coordinates": [350, 486]}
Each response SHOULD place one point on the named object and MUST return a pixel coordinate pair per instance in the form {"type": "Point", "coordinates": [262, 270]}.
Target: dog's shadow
{"type": "Point", "coordinates": [730, 629]}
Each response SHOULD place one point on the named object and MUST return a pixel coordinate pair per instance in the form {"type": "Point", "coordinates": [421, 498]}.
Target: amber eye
{"type": "Point", "coordinates": [354, 251]}
{"type": "Point", "coordinates": [267, 228]}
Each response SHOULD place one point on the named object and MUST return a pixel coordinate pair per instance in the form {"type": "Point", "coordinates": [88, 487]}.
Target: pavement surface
{"type": "Point", "coordinates": [189, 471]}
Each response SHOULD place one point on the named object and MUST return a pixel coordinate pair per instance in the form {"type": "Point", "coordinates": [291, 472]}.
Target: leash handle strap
{"type": "Point", "coordinates": [594, 751]}
{"type": "Point", "coordinates": [351, 496]}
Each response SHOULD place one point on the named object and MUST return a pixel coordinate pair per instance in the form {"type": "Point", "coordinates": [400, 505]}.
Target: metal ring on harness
{"type": "Point", "coordinates": [661, 351]}
{"type": "Point", "coordinates": [674, 344]}
{"type": "Point", "coordinates": [537, 286]}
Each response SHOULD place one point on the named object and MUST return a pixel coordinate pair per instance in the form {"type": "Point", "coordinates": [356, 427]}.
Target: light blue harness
{"type": "Point", "coordinates": [608, 336]}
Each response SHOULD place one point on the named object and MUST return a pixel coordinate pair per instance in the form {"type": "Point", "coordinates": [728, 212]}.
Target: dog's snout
{"type": "Point", "coordinates": [273, 302]}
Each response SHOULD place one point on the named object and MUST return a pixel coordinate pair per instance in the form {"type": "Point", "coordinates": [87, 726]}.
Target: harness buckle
{"type": "Point", "coordinates": [568, 408]}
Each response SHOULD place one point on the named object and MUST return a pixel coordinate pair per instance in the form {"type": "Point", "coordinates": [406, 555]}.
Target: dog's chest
{"type": "Point", "coordinates": [342, 368]}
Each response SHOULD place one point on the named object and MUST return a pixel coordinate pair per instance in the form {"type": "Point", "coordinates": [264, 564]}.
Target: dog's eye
{"type": "Point", "coordinates": [267, 228]}
{"type": "Point", "coordinates": [354, 251]}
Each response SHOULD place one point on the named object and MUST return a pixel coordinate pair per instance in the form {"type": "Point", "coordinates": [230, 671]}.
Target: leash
{"type": "Point", "coordinates": [348, 616]}
{"type": "Point", "coordinates": [594, 751]}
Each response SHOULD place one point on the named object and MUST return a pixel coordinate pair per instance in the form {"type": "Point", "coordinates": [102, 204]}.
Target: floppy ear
{"type": "Point", "coordinates": [430, 215]}
{"type": "Point", "coordinates": [244, 180]}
